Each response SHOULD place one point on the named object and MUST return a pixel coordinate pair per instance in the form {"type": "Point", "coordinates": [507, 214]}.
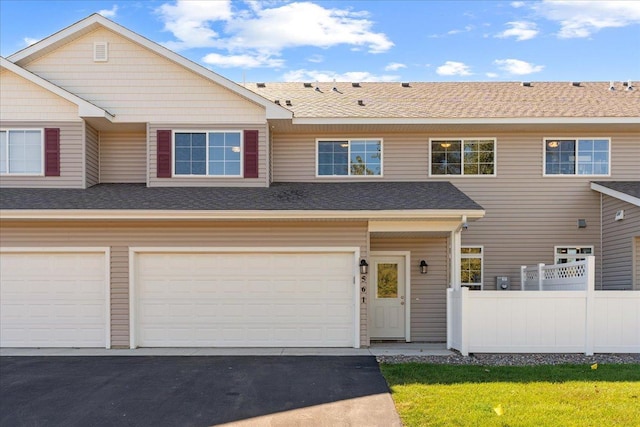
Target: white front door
{"type": "Point", "coordinates": [387, 302]}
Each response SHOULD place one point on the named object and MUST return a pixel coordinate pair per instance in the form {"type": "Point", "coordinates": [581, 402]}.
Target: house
{"type": "Point", "coordinates": [147, 201]}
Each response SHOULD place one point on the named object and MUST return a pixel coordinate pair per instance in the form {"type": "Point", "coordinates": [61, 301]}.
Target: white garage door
{"type": "Point", "coordinates": [53, 299]}
{"type": "Point", "coordinates": [245, 299]}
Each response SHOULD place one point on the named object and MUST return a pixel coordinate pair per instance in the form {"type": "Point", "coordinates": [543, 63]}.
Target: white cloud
{"type": "Point", "coordinates": [521, 30]}
{"type": "Point", "coordinates": [316, 58]}
{"type": "Point", "coordinates": [517, 4]}
{"type": "Point", "coordinates": [492, 75]}
{"type": "Point", "coordinates": [394, 66]}
{"type": "Point", "coordinates": [28, 41]}
{"type": "Point", "coordinates": [517, 67]}
{"type": "Point", "coordinates": [267, 27]}
{"type": "Point", "coordinates": [329, 76]}
{"type": "Point", "coordinates": [580, 18]}
{"type": "Point", "coordinates": [109, 13]}
{"type": "Point", "coordinates": [242, 61]}
{"type": "Point", "coordinates": [452, 68]}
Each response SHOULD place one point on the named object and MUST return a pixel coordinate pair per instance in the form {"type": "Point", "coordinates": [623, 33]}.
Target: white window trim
{"type": "Point", "coordinates": [574, 138]}
{"type": "Point", "coordinates": [350, 140]}
{"type": "Point", "coordinates": [206, 132]}
{"type": "Point", "coordinates": [557, 256]}
{"type": "Point", "coordinates": [25, 174]}
{"type": "Point", "coordinates": [462, 175]}
{"type": "Point", "coordinates": [466, 256]}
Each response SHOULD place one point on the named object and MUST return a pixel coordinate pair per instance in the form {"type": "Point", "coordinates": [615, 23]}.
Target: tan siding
{"type": "Point", "coordinates": [123, 157]}
{"type": "Point", "coordinates": [168, 234]}
{"type": "Point", "coordinates": [618, 240]}
{"type": "Point", "coordinates": [137, 85]}
{"type": "Point", "coordinates": [21, 99]}
{"type": "Point", "coordinates": [428, 291]}
{"type": "Point", "coordinates": [71, 160]}
{"type": "Point", "coordinates": [636, 285]}
{"type": "Point", "coordinates": [526, 214]}
{"type": "Point", "coordinates": [92, 156]}
{"type": "Point", "coordinates": [119, 296]}
{"type": "Point", "coordinates": [261, 181]}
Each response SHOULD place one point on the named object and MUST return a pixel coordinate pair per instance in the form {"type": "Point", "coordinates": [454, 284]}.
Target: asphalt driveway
{"type": "Point", "coordinates": [193, 391]}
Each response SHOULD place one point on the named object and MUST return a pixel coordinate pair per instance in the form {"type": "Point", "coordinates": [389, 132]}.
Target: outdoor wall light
{"type": "Point", "coordinates": [424, 267]}
{"type": "Point", "coordinates": [364, 267]}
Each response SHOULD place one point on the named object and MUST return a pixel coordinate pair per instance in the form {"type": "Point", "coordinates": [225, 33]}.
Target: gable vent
{"type": "Point", "coordinates": [100, 51]}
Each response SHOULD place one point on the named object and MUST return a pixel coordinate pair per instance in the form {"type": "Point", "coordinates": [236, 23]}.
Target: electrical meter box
{"type": "Point", "coordinates": [503, 283]}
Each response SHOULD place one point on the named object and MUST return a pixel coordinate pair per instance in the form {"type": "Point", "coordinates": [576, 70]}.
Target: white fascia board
{"type": "Point", "coordinates": [616, 194]}
{"type": "Point", "coordinates": [461, 121]}
{"type": "Point", "coordinates": [273, 111]}
{"type": "Point", "coordinates": [72, 214]}
{"type": "Point", "coordinates": [85, 108]}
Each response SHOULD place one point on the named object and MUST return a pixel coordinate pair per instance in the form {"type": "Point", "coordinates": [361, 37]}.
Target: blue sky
{"type": "Point", "coordinates": [275, 40]}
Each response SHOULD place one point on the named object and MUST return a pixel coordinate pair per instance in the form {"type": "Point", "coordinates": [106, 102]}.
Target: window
{"type": "Point", "coordinates": [565, 254]}
{"type": "Point", "coordinates": [471, 267]}
{"type": "Point", "coordinates": [208, 153]}
{"type": "Point", "coordinates": [463, 157]}
{"type": "Point", "coordinates": [576, 156]}
{"type": "Point", "coordinates": [21, 152]}
{"type": "Point", "coordinates": [349, 157]}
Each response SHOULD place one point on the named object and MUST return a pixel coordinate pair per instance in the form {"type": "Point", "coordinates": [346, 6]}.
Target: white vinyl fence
{"type": "Point", "coordinates": [545, 320]}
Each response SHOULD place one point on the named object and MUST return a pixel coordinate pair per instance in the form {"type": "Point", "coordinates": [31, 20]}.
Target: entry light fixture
{"type": "Point", "coordinates": [424, 267]}
{"type": "Point", "coordinates": [364, 267]}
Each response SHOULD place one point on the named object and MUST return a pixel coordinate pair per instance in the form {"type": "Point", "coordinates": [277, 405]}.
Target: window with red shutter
{"type": "Point", "coordinates": [251, 154]}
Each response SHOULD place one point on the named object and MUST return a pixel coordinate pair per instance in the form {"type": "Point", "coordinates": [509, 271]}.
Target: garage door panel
{"type": "Point", "coordinates": [215, 299]}
{"type": "Point", "coordinates": [53, 299]}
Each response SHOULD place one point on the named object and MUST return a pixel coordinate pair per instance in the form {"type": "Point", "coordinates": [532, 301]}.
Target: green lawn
{"type": "Point", "coordinates": [560, 395]}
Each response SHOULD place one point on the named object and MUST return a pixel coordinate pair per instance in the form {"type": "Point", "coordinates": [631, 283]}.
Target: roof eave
{"type": "Point", "coordinates": [110, 214]}
{"type": "Point", "coordinates": [615, 194]}
{"type": "Point", "coordinates": [461, 121]}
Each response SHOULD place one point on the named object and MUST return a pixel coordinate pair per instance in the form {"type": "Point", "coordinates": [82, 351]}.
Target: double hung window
{"type": "Point", "coordinates": [349, 157]}
{"type": "Point", "coordinates": [583, 156]}
{"type": "Point", "coordinates": [208, 153]}
{"type": "Point", "coordinates": [463, 157]}
{"type": "Point", "coordinates": [21, 152]}
{"type": "Point", "coordinates": [471, 267]}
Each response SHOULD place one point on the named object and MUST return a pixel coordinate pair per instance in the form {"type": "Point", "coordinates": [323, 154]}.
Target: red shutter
{"type": "Point", "coordinates": [52, 152]}
{"type": "Point", "coordinates": [250, 153]}
{"type": "Point", "coordinates": [164, 154]}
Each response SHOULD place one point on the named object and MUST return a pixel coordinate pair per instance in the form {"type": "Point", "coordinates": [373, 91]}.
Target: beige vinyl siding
{"type": "Point", "coordinates": [154, 181]}
{"type": "Point", "coordinates": [123, 157]}
{"type": "Point", "coordinates": [527, 214]}
{"type": "Point", "coordinates": [617, 243]}
{"type": "Point", "coordinates": [121, 236]}
{"type": "Point", "coordinates": [428, 291]}
{"type": "Point", "coordinates": [119, 296]}
{"type": "Point", "coordinates": [23, 100]}
{"type": "Point", "coordinates": [138, 85]}
{"type": "Point", "coordinates": [636, 285]}
{"type": "Point", "coordinates": [92, 159]}
{"type": "Point", "coordinates": [71, 156]}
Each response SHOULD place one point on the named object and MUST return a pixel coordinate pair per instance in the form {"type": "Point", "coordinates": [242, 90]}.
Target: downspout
{"type": "Point", "coordinates": [601, 255]}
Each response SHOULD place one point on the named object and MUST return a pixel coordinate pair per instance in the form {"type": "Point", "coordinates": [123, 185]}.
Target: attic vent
{"type": "Point", "coordinates": [261, 85]}
{"type": "Point", "coordinates": [360, 102]}
{"type": "Point", "coordinates": [406, 85]}
{"type": "Point", "coordinates": [526, 84]}
{"type": "Point", "coordinates": [628, 85]}
{"type": "Point", "coordinates": [576, 84]}
{"type": "Point", "coordinates": [277, 101]}
{"type": "Point", "coordinates": [288, 103]}
{"type": "Point", "coordinates": [355, 84]}
{"type": "Point", "coordinates": [612, 85]}
{"type": "Point", "coordinates": [100, 51]}
{"type": "Point", "coordinates": [307, 85]}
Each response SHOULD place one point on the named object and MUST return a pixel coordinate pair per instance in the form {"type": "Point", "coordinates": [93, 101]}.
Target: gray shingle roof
{"type": "Point", "coordinates": [354, 196]}
{"type": "Point", "coordinates": [631, 188]}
